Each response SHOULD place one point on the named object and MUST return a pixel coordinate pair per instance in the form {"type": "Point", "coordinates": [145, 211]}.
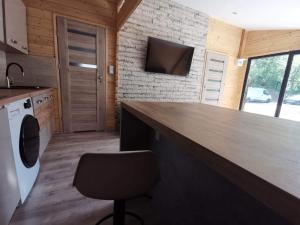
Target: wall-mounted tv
{"type": "Point", "coordinates": [168, 57]}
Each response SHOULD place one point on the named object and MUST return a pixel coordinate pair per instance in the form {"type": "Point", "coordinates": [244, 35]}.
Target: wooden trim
{"type": "Point", "coordinates": [120, 5]}
{"type": "Point", "coordinates": [127, 9]}
{"type": "Point", "coordinates": [63, 59]}
{"type": "Point", "coordinates": [56, 55]}
{"type": "Point", "coordinates": [101, 73]}
{"type": "Point", "coordinates": [243, 43]}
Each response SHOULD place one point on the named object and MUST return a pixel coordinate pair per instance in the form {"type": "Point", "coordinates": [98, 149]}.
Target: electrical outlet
{"type": "Point", "coordinates": [157, 136]}
{"type": "Point", "coordinates": [111, 69]}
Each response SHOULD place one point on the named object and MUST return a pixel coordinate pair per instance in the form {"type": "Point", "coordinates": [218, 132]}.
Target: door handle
{"type": "Point", "coordinates": [100, 78]}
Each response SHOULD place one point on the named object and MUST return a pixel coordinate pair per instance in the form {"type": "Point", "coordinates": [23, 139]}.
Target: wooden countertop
{"type": "Point", "coordinates": [259, 154]}
{"type": "Point", "coordinates": [11, 95]}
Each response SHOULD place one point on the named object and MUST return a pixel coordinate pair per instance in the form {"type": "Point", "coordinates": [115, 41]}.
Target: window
{"type": "Point", "coordinates": [272, 86]}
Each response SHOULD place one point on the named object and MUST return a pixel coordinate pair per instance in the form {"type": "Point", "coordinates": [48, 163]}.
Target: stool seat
{"type": "Point", "coordinates": [116, 176]}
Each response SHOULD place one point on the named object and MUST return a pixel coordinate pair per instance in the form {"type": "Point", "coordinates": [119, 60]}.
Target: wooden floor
{"type": "Point", "coordinates": [53, 200]}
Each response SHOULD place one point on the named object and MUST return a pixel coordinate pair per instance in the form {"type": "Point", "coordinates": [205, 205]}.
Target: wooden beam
{"type": "Point", "coordinates": [243, 44]}
{"type": "Point", "coordinates": [125, 11]}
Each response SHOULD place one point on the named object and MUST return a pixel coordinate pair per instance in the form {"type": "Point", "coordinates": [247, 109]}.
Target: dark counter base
{"type": "Point", "coordinates": [189, 192]}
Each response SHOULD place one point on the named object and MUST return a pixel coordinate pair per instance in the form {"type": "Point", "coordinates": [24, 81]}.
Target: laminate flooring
{"type": "Point", "coordinates": [54, 201]}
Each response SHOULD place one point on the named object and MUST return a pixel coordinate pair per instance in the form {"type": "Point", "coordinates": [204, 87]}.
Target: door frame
{"type": "Point", "coordinates": [101, 70]}
{"type": "Point", "coordinates": [284, 83]}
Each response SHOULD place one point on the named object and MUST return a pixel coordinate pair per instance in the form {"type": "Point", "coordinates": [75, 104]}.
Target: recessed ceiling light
{"type": "Point", "coordinates": [234, 13]}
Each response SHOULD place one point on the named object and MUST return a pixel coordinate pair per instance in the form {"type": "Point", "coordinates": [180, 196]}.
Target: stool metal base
{"type": "Point", "coordinates": [137, 217]}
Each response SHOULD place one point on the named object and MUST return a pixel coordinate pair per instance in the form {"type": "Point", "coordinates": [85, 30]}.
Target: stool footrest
{"type": "Point", "coordinates": [134, 215]}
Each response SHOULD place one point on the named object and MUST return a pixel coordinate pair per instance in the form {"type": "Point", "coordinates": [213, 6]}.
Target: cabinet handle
{"type": "Point", "coordinates": [39, 102]}
{"type": "Point", "coordinates": [14, 41]}
{"type": "Point", "coordinates": [24, 47]}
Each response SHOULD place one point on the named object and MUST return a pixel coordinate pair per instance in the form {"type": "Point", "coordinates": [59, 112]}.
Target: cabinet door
{"type": "Point", "coordinates": [1, 22]}
{"type": "Point", "coordinates": [15, 24]}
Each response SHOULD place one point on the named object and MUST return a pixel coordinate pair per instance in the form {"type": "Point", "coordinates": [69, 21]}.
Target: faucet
{"type": "Point", "coordinates": [8, 79]}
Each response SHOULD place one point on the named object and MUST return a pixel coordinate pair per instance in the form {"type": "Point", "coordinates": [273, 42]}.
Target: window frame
{"type": "Point", "coordinates": [284, 83]}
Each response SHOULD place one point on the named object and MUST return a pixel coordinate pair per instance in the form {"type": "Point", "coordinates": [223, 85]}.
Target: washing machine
{"type": "Point", "coordinates": [24, 132]}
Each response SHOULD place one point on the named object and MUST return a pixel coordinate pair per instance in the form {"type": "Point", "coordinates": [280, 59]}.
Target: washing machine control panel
{"type": "Point", "coordinates": [27, 104]}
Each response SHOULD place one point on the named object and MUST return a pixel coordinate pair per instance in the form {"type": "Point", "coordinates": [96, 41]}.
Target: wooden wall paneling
{"type": "Point", "coordinates": [125, 11]}
{"type": "Point", "coordinates": [226, 39]}
{"type": "Point", "coordinates": [271, 41]}
{"type": "Point", "coordinates": [89, 10]}
{"type": "Point", "coordinates": [40, 32]}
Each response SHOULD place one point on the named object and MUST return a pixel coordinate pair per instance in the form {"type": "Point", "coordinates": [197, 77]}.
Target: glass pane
{"type": "Point", "coordinates": [263, 85]}
{"type": "Point", "coordinates": [291, 104]}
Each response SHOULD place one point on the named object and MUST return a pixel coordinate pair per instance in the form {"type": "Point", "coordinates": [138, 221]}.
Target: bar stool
{"type": "Point", "coordinates": [117, 176]}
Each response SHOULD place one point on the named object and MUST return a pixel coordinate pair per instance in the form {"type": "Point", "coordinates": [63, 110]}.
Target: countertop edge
{"type": "Point", "coordinates": [27, 94]}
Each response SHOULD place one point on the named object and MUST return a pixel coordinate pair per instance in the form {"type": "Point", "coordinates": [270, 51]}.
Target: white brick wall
{"type": "Point", "coordinates": [170, 21]}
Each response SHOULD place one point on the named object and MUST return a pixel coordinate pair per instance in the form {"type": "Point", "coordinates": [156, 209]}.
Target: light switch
{"type": "Point", "coordinates": [111, 70]}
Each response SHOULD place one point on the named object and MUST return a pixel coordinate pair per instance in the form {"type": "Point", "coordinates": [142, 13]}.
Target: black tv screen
{"type": "Point", "coordinates": [168, 57]}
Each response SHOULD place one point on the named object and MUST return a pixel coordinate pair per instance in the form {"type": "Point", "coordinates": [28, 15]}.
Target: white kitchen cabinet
{"type": "Point", "coordinates": [2, 38]}
{"type": "Point", "coordinates": [16, 25]}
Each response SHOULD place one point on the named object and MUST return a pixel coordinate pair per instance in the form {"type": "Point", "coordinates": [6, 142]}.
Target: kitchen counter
{"type": "Point", "coordinates": [10, 95]}
{"type": "Point", "coordinates": [259, 155]}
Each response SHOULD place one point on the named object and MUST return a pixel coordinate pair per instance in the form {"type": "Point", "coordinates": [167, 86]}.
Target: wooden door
{"type": "Point", "coordinates": [82, 75]}
{"type": "Point", "coordinates": [214, 78]}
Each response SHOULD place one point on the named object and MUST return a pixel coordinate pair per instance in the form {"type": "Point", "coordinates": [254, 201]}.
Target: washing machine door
{"type": "Point", "coordinates": [29, 141]}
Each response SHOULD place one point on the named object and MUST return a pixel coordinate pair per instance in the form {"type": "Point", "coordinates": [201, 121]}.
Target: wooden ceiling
{"type": "Point", "coordinates": [127, 8]}
{"type": "Point", "coordinates": [106, 9]}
